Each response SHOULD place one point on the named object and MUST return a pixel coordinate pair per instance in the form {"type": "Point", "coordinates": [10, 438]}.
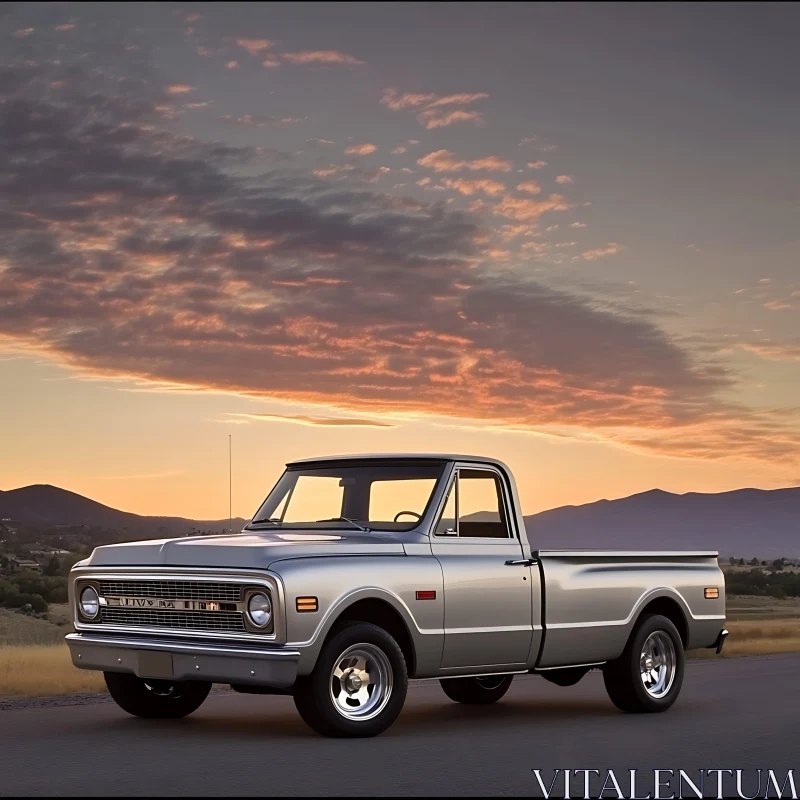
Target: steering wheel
{"type": "Point", "coordinates": [413, 514]}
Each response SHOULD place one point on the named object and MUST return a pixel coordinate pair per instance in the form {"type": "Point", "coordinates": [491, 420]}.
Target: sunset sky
{"type": "Point", "coordinates": [563, 235]}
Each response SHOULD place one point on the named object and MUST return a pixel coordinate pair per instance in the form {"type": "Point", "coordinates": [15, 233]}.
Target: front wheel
{"type": "Point", "coordinates": [156, 699]}
{"type": "Point", "coordinates": [477, 691]}
{"type": "Point", "coordinates": [358, 686]}
{"type": "Point", "coordinates": [647, 677]}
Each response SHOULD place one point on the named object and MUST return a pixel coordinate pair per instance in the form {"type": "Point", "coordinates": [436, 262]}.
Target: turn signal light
{"type": "Point", "coordinates": [305, 604]}
{"type": "Point", "coordinates": [711, 593]}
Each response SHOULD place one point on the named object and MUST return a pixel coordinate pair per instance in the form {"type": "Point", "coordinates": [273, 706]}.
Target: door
{"type": "Point", "coordinates": [487, 602]}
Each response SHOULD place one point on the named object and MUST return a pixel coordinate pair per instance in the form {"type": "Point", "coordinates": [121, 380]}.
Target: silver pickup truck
{"type": "Point", "coordinates": [360, 572]}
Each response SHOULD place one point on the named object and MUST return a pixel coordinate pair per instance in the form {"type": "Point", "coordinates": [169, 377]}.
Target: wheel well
{"type": "Point", "coordinates": [380, 613]}
{"type": "Point", "coordinates": [669, 608]}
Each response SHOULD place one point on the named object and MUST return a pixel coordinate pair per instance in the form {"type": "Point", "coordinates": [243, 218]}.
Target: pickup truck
{"type": "Point", "coordinates": [358, 573]}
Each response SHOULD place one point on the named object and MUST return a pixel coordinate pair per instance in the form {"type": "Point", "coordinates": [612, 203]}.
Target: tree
{"type": "Point", "coordinates": [53, 566]}
{"type": "Point", "coordinates": [741, 562]}
{"type": "Point", "coordinates": [778, 564]}
{"type": "Point", "coordinates": [754, 562]}
{"type": "Point", "coordinates": [732, 561]}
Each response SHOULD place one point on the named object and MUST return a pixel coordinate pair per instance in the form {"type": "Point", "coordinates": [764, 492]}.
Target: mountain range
{"type": "Point", "coordinates": [743, 523]}
{"type": "Point", "coordinates": [43, 506]}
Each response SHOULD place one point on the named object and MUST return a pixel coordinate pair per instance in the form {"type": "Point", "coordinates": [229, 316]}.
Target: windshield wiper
{"type": "Point", "coordinates": [346, 519]}
{"type": "Point", "coordinates": [272, 521]}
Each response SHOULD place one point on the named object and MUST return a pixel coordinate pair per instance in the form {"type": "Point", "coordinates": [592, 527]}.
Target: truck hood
{"type": "Point", "coordinates": [247, 550]}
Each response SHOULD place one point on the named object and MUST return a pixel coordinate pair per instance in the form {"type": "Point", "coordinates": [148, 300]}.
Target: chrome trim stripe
{"type": "Point", "coordinates": [610, 622]}
{"type": "Point", "coordinates": [627, 553]}
{"type": "Point", "coordinates": [569, 666]}
{"type": "Point", "coordinates": [176, 647]}
{"type": "Point", "coordinates": [497, 629]}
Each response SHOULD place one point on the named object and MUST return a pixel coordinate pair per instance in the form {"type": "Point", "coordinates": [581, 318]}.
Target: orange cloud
{"type": "Point", "coordinates": [398, 102]}
{"type": "Point", "coordinates": [361, 149]}
{"type": "Point", "coordinates": [462, 99]}
{"type": "Point", "coordinates": [468, 187]}
{"type": "Point", "coordinates": [255, 46]}
{"type": "Point", "coordinates": [565, 179]}
{"type": "Point", "coordinates": [433, 118]}
{"type": "Point", "coordinates": [198, 272]}
{"type": "Point", "coordinates": [531, 187]}
{"type": "Point", "coordinates": [305, 419]}
{"type": "Point", "coordinates": [523, 209]}
{"type": "Point", "coordinates": [321, 57]}
{"type": "Point", "coordinates": [179, 88]}
{"type": "Point", "coordinates": [232, 65]}
{"type": "Point", "coordinates": [445, 161]}
{"type": "Point", "coordinates": [537, 164]}
{"type": "Point", "coordinates": [774, 351]}
{"type": "Point", "coordinates": [611, 249]}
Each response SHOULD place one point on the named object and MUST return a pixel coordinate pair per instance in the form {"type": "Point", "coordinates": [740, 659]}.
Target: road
{"type": "Point", "coordinates": [737, 713]}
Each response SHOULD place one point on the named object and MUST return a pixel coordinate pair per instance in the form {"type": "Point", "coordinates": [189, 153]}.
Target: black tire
{"type": "Point", "coordinates": [156, 699]}
{"type": "Point", "coordinates": [477, 691]}
{"type": "Point", "coordinates": [313, 693]}
{"type": "Point", "coordinates": [623, 677]}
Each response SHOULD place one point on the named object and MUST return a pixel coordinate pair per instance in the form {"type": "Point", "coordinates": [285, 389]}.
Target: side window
{"type": "Point", "coordinates": [447, 522]}
{"type": "Point", "coordinates": [481, 512]}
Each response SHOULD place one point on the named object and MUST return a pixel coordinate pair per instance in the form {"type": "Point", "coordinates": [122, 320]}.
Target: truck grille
{"type": "Point", "coordinates": [184, 620]}
{"type": "Point", "coordinates": [173, 590]}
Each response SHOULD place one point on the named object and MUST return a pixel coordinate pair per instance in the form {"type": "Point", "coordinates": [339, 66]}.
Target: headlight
{"type": "Point", "coordinates": [90, 602]}
{"type": "Point", "coordinates": [259, 609]}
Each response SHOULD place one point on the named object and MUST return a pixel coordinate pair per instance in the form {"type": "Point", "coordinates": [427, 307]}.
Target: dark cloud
{"type": "Point", "coordinates": [132, 249]}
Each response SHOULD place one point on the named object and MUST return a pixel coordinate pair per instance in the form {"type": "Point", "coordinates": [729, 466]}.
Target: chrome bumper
{"type": "Point", "coordinates": [181, 660]}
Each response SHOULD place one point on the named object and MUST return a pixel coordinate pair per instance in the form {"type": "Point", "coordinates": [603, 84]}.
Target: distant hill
{"type": "Point", "coordinates": [742, 523]}
{"type": "Point", "coordinates": [42, 505]}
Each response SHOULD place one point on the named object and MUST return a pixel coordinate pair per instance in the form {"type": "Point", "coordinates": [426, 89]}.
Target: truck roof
{"type": "Point", "coordinates": [404, 456]}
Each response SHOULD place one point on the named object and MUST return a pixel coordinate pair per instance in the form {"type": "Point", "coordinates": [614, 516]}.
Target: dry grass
{"type": "Point", "coordinates": [758, 638]}
{"type": "Point", "coordinates": [42, 670]}
{"type": "Point", "coordinates": [16, 629]}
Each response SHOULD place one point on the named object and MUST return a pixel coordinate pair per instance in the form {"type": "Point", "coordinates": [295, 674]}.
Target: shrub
{"type": "Point", "coordinates": [37, 602]}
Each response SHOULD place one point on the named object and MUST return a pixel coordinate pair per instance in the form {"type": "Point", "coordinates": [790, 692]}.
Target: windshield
{"type": "Point", "coordinates": [390, 497]}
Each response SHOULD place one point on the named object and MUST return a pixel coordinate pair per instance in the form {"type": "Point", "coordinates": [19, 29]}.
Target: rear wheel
{"type": "Point", "coordinates": [358, 686]}
{"type": "Point", "coordinates": [477, 691]}
{"type": "Point", "coordinates": [647, 677]}
{"type": "Point", "coordinates": [156, 699]}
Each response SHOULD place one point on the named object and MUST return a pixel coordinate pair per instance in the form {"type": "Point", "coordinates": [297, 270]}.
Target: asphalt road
{"type": "Point", "coordinates": [738, 713]}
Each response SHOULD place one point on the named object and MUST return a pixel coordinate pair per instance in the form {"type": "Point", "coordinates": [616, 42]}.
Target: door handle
{"type": "Point", "coordinates": [523, 562]}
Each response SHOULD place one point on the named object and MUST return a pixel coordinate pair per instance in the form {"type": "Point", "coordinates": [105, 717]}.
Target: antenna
{"type": "Point", "coordinates": [230, 485]}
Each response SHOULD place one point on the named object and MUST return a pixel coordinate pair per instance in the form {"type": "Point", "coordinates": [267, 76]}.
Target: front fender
{"type": "Point", "coordinates": [340, 582]}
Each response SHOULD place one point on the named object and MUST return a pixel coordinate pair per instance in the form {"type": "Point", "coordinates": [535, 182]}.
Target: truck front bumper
{"type": "Point", "coordinates": [183, 660]}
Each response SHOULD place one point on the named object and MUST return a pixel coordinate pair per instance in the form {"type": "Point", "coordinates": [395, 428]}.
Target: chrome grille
{"type": "Point", "coordinates": [185, 620]}
{"type": "Point", "coordinates": [173, 590]}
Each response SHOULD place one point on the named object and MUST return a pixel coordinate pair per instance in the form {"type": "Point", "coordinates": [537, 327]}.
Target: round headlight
{"type": "Point", "coordinates": [259, 608]}
{"type": "Point", "coordinates": [90, 602]}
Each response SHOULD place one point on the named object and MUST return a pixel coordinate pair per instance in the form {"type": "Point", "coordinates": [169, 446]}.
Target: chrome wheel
{"type": "Point", "coordinates": [361, 682]}
{"type": "Point", "coordinates": [657, 664]}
